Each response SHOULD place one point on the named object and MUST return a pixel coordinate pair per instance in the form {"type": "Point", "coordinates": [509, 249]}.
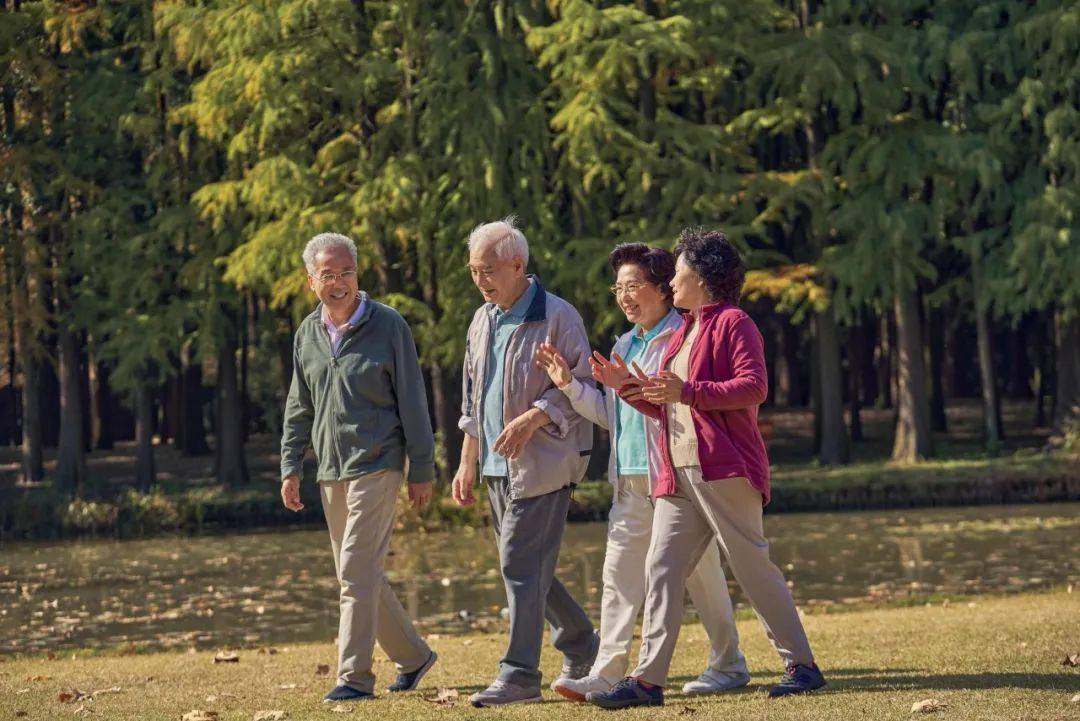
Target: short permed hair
{"type": "Point", "coordinates": [715, 259]}
{"type": "Point", "coordinates": [657, 264]}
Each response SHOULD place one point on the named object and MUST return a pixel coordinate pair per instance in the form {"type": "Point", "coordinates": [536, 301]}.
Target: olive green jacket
{"type": "Point", "coordinates": [363, 409]}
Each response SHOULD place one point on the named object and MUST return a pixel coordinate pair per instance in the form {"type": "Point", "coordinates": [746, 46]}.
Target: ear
{"type": "Point", "coordinates": [311, 284]}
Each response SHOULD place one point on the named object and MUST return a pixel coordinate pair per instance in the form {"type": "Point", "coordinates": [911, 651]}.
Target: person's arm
{"type": "Point", "coordinates": [465, 477]}
{"type": "Point", "coordinates": [631, 394]}
{"type": "Point", "coordinates": [573, 344]}
{"type": "Point", "coordinates": [749, 382]}
{"type": "Point", "coordinates": [299, 417]}
{"type": "Point", "coordinates": [585, 398]}
{"type": "Point", "coordinates": [412, 407]}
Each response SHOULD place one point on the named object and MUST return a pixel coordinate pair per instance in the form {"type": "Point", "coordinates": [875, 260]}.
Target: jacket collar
{"type": "Point", "coordinates": [711, 310]}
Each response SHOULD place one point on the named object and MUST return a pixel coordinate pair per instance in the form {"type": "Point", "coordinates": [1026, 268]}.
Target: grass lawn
{"type": "Point", "coordinates": [991, 658]}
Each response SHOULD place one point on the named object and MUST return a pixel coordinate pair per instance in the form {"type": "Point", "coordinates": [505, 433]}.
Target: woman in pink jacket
{"type": "Point", "coordinates": [714, 478]}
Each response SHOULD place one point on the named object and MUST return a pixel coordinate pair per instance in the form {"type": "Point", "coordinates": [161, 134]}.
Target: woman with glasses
{"type": "Point", "coordinates": [713, 476]}
{"type": "Point", "coordinates": [642, 292]}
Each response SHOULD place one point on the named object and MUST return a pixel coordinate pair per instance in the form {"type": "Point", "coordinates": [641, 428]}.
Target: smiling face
{"type": "Point", "coordinates": [688, 287]}
{"type": "Point", "coordinates": [641, 301]}
{"type": "Point", "coordinates": [338, 294]}
{"type": "Point", "coordinates": [500, 281]}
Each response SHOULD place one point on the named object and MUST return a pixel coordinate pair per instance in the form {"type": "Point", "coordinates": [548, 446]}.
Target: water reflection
{"type": "Point", "coordinates": [278, 587]}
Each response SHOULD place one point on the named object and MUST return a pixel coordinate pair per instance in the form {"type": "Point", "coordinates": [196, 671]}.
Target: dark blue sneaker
{"type": "Point", "coordinates": [347, 693]}
{"type": "Point", "coordinates": [408, 681]}
{"type": "Point", "coordinates": [627, 693]}
{"type": "Point", "coordinates": [798, 679]}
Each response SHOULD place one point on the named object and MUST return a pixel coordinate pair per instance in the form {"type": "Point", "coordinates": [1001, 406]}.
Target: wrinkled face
{"type": "Point", "coordinates": [334, 280]}
{"type": "Point", "coordinates": [641, 301]}
{"type": "Point", "coordinates": [688, 286]}
{"type": "Point", "coordinates": [498, 280]}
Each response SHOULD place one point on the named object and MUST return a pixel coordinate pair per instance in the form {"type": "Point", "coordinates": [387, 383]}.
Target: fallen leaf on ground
{"type": "Point", "coordinates": [73, 695]}
{"type": "Point", "coordinates": [1076, 698]}
{"type": "Point", "coordinates": [267, 651]}
{"type": "Point", "coordinates": [39, 678]}
{"type": "Point", "coordinates": [226, 657]}
{"type": "Point", "coordinates": [1071, 659]}
{"type": "Point", "coordinates": [445, 697]}
{"type": "Point", "coordinates": [198, 715]}
{"type": "Point", "coordinates": [106, 691]}
{"type": "Point", "coordinates": [22, 691]}
{"type": "Point", "coordinates": [687, 711]}
{"type": "Point", "coordinates": [323, 669]}
{"type": "Point", "coordinates": [215, 697]}
{"type": "Point", "coordinates": [341, 708]}
{"type": "Point", "coordinates": [928, 705]}
{"type": "Point", "coordinates": [20, 714]}
{"type": "Point", "coordinates": [270, 716]}
{"type": "Point", "coordinates": [83, 711]}
{"type": "Point", "coordinates": [287, 686]}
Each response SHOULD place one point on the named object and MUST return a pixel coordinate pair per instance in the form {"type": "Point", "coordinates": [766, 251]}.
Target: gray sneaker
{"type": "Point", "coordinates": [504, 693]}
{"type": "Point", "coordinates": [716, 682]}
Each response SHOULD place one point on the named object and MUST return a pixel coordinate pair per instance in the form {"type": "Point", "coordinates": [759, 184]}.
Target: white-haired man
{"type": "Point", "coordinates": [531, 447]}
{"type": "Point", "coordinates": [357, 400]}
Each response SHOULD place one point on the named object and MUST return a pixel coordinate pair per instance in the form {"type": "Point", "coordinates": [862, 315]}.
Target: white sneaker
{"type": "Point", "coordinates": [575, 689]}
{"type": "Point", "coordinates": [716, 682]}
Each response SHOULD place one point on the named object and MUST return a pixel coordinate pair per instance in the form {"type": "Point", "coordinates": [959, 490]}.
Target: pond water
{"type": "Point", "coordinates": [278, 587]}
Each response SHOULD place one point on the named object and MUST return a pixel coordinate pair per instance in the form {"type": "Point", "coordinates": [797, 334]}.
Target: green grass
{"type": "Point", "coordinates": [985, 658]}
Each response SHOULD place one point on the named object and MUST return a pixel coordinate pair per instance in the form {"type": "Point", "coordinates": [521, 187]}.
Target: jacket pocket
{"type": "Point", "coordinates": [356, 438]}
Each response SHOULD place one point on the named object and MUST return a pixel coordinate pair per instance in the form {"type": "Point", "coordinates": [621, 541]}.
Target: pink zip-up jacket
{"type": "Point", "coordinates": [727, 382]}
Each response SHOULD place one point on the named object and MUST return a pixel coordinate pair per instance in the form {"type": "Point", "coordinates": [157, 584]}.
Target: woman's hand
{"type": "Point", "coordinates": [612, 373]}
{"type": "Point", "coordinates": [551, 360]}
{"type": "Point", "coordinates": [666, 387]}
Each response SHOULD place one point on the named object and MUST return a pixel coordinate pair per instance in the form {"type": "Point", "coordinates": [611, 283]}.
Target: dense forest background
{"type": "Point", "coordinates": [902, 176]}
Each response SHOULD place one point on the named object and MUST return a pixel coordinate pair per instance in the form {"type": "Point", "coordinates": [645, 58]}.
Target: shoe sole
{"type": "Point", "coordinates": [567, 693]}
{"type": "Point", "coordinates": [483, 704]}
{"type": "Point", "coordinates": [715, 691]}
{"type": "Point", "coordinates": [419, 674]}
{"type": "Point", "coordinates": [621, 705]}
{"type": "Point", "coordinates": [796, 693]}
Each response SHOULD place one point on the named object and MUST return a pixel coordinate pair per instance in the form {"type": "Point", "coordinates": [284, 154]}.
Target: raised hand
{"type": "Point", "coordinates": [612, 373]}
{"type": "Point", "coordinates": [551, 360]}
{"type": "Point", "coordinates": [665, 387]}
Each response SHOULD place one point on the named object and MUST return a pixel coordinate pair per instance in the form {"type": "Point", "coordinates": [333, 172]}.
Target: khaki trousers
{"type": "Point", "coordinates": [360, 516]}
{"type": "Point", "coordinates": [630, 529]}
{"type": "Point", "coordinates": [684, 525]}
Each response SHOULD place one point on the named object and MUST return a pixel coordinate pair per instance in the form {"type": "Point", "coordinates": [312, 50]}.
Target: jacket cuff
{"type": "Point", "coordinates": [688, 392]}
{"type": "Point", "coordinates": [421, 473]}
{"type": "Point", "coordinates": [572, 390]}
{"type": "Point", "coordinates": [555, 417]}
{"type": "Point", "coordinates": [468, 425]}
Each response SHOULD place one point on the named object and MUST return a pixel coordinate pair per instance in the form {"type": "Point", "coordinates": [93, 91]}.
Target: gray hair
{"type": "Point", "coordinates": [322, 242]}
{"type": "Point", "coordinates": [510, 242]}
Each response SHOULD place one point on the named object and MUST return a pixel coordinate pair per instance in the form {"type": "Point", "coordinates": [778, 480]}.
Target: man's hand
{"type": "Point", "coordinates": [666, 387]}
{"type": "Point", "coordinates": [462, 487]}
{"type": "Point", "coordinates": [511, 442]}
{"type": "Point", "coordinates": [419, 494]}
{"type": "Point", "coordinates": [290, 493]}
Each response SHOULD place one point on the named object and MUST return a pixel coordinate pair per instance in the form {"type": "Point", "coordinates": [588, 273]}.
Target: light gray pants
{"type": "Point", "coordinates": [360, 516]}
{"type": "Point", "coordinates": [630, 529]}
{"type": "Point", "coordinates": [683, 527]}
{"type": "Point", "coordinates": [529, 532]}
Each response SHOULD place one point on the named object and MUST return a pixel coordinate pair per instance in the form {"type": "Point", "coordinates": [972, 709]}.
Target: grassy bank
{"type": "Point", "coordinates": [1022, 477]}
{"type": "Point", "coordinates": [988, 659]}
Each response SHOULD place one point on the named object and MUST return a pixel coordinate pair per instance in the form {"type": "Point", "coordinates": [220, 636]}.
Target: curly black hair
{"type": "Point", "coordinates": [715, 259]}
{"type": "Point", "coordinates": [658, 264]}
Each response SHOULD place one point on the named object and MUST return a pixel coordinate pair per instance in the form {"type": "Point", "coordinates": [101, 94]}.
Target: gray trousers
{"type": "Point", "coordinates": [529, 532]}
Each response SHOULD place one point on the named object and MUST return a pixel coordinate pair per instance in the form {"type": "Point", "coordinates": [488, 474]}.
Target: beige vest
{"type": "Point", "coordinates": [681, 435]}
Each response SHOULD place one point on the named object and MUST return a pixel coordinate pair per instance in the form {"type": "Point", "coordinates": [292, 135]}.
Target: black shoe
{"type": "Point", "coordinates": [627, 693]}
{"type": "Point", "coordinates": [347, 693]}
{"type": "Point", "coordinates": [798, 679]}
{"type": "Point", "coordinates": [408, 681]}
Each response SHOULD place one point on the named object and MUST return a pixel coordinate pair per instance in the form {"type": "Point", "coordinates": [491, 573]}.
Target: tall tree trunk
{"type": "Point", "coordinates": [71, 455]}
{"type": "Point", "coordinates": [230, 463]}
{"type": "Point", "coordinates": [855, 355]}
{"type": "Point", "coordinates": [834, 448]}
{"type": "Point", "coordinates": [791, 377]}
{"type": "Point", "coordinates": [992, 435]}
{"type": "Point", "coordinates": [1041, 342]}
{"type": "Point", "coordinates": [868, 371]}
{"type": "Point", "coordinates": [33, 468]}
{"type": "Point", "coordinates": [884, 362]}
{"type": "Point", "coordinates": [245, 341]}
{"type": "Point", "coordinates": [101, 405]}
{"type": "Point", "coordinates": [193, 430]}
{"type": "Point", "coordinates": [1067, 399]}
{"type": "Point", "coordinates": [145, 467]}
{"type": "Point", "coordinates": [936, 346]}
{"type": "Point", "coordinates": [914, 439]}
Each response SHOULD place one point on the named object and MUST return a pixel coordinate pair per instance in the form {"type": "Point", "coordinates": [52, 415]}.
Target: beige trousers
{"type": "Point", "coordinates": [684, 525]}
{"type": "Point", "coordinates": [630, 528]}
{"type": "Point", "coordinates": [360, 516]}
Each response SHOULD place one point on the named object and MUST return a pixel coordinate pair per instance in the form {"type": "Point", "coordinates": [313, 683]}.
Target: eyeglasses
{"type": "Point", "coordinates": [627, 288]}
{"type": "Point", "coordinates": [331, 277]}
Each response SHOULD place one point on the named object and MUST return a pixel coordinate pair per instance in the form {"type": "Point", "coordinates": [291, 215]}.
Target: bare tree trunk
{"type": "Point", "coordinates": [71, 455]}
{"type": "Point", "coordinates": [914, 439]}
{"type": "Point", "coordinates": [145, 467]}
{"type": "Point", "coordinates": [1067, 399]}
{"type": "Point", "coordinates": [230, 463]}
{"type": "Point", "coordinates": [193, 431]}
{"type": "Point", "coordinates": [992, 435]}
{"type": "Point", "coordinates": [855, 352]}
{"type": "Point", "coordinates": [936, 346]}
{"type": "Point", "coordinates": [884, 363]}
{"type": "Point", "coordinates": [834, 448]}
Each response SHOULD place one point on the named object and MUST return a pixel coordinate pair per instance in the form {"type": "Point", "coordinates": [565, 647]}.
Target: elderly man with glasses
{"type": "Point", "coordinates": [357, 400]}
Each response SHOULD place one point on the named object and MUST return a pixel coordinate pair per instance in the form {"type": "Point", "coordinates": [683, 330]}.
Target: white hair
{"type": "Point", "coordinates": [322, 242]}
{"type": "Point", "coordinates": [510, 242]}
